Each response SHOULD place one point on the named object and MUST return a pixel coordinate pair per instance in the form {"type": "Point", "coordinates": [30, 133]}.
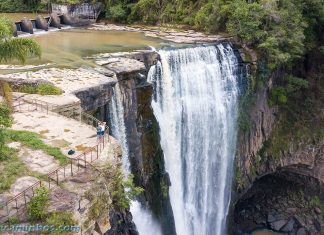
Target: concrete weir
{"type": "Point", "coordinates": [42, 23]}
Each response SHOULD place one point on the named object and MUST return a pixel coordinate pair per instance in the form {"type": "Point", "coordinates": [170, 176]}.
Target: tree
{"type": "Point", "coordinates": [11, 48]}
{"type": "Point", "coordinates": [15, 48]}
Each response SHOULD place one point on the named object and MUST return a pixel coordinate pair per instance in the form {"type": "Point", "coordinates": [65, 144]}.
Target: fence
{"type": "Point", "coordinates": [82, 161]}
{"type": "Point", "coordinates": [72, 111]}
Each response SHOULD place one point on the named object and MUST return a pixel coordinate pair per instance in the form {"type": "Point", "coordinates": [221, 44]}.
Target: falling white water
{"type": "Point", "coordinates": [118, 128]}
{"type": "Point", "coordinates": [195, 103]}
{"type": "Point", "coordinates": [145, 223]}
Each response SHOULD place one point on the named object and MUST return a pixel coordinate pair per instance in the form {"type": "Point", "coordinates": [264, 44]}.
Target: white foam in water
{"type": "Point", "coordinates": [42, 32]}
{"type": "Point", "coordinates": [195, 103]}
{"type": "Point", "coordinates": [145, 223]}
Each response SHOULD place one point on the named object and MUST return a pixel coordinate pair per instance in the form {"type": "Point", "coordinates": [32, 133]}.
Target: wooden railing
{"type": "Point", "coordinates": [82, 161]}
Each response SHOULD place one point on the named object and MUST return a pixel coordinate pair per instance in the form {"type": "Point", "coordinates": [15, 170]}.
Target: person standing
{"type": "Point", "coordinates": [99, 131]}
{"type": "Point", "coordinates": [103, 129]}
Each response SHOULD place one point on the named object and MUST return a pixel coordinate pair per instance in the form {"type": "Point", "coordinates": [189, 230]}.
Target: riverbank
{"type": "Point", "coordinates": [165, 33]}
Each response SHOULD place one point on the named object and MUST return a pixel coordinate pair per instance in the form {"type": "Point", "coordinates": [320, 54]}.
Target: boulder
{"type": "Point", "coordinates": [300, 220]}
{"type": "Point", "coordinates": [289, 226]}
{"type": "Point", "coordinates": [41, 23]}
{"type": "Point", "coordinates": [277, 225]}
{"type": "Point", "coordinates": [301, 231]}
{"type": "Point", "coordinates": [317, 225]}
{"type": "Point", "coordinates": [55, 21]}
{"type": "Point", "coordinates": [317, 210]}
{"type": "Point", "coordinates": [271, 218]}
{"type": "Point", "coordinates": [27, 26]}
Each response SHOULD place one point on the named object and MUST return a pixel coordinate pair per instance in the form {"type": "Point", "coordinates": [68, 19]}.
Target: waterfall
{"type": "Point", "coordinates": [117, 124]}
{"type": "Point", "coordinates": [195, 102]}
{"type": "Point", "coordinates": [145, 223]}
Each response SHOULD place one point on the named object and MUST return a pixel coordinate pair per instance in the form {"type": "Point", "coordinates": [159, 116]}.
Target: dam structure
{"type": "Point", "coordinates": [61, 16]}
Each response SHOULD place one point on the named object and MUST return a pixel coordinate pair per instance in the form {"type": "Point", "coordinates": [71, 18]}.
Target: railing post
{"type": "Point", "coordinates": [85, 160]}
{"type": "Point", "coordinates": [16, 204]}
{"type": "Point", "coordinates": [57, 178]}
{"type": "Point", "coordinates": [7, 208]}
{"type": "Point", "coordinates": [64, 172]}
{"type": "Point", "coordinates": [97, 151]}
{"type": "Point", "coordinates": [25, 198]}
{"type": "Point", "coordinates": [71, 169]}
{"type": "Point", "coordinates": [49, 182]}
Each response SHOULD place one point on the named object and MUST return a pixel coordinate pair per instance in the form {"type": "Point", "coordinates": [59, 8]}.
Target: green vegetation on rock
{"type": "Point", "coordinates": [111, 190]}
{"type": "Point", "coordinates": [60, 218]}
{"type": "Point", "coordinates": [37, 206]}
{"type": "Point", "coordinates": [33, 141]}
{"type": "Point", "coordinates": [25, 5]}
{"type": "Point", "coordinates": [11, 168]}
{"type": "Point", "coordinates": [41, 89]}
{"type": "Point", "coordinates": [15, 48]}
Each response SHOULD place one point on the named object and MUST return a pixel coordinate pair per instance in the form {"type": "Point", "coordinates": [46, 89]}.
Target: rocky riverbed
{"type": "Point", "coordinates": [168, 34]}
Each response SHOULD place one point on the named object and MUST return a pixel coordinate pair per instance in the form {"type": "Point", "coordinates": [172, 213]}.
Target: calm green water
{"type": "Point", "coordinates": [68, 47]}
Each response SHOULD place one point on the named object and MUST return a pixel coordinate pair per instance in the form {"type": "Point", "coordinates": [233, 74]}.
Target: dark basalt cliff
{"type": "Point", "coordinates": [145, 154]}
{"type": "Point", "coordinates": [282, 190]}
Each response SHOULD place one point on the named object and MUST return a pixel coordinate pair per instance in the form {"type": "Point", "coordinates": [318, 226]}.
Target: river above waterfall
{"type": "Point", "coordinates": [69, 47]}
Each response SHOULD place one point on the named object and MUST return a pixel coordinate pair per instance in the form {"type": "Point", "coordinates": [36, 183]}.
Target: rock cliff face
{"type": "Point", "coordinates": [145, 153]}
{"type": "Point", "coordinates": [126, 227]}
{"type": "Point", "coordinates": [284, 192]}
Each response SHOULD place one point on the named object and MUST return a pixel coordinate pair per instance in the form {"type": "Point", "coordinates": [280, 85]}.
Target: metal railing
{"type": "Point", "coordinates": [34, 104]}
{"type": "Point", "coordinates": [82, 161]}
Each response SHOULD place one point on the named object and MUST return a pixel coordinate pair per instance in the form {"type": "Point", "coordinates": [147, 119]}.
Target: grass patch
{"type": "Point", "coordinates": [32, 140]}
{"type": "Point", "coordinates": [47, 89]}
{"type": "Point", "coordinates": [41, 89]}
{"type": "Point", "coordinates": [62, 218]}
{"type": "Point", "coordinates": [11, 167]}
{"type": "Point", "coordinates": [316, 202]}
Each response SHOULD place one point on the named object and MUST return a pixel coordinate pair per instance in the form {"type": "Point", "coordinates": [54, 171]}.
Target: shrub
{"type": "Point", "coordinates": [36, 208]}
{"type": "Point", "coordinates": [48, 89]}
{"type": "Point", "coordinates": [27, 89]}
{"type": "Point", "coordinates": [111, 190]}
{"type": "Point", "coordinates": [5, 118]}
{"type": "Point", "coordinates": [41, 89]}
{"type": "Point", "coordinates": [117, 13]}
{"type": "Point", "coordinates": [59, 219]}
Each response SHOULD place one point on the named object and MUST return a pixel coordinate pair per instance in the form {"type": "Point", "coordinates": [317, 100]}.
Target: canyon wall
{"type": "Point", "coordinates": [282, 190]}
